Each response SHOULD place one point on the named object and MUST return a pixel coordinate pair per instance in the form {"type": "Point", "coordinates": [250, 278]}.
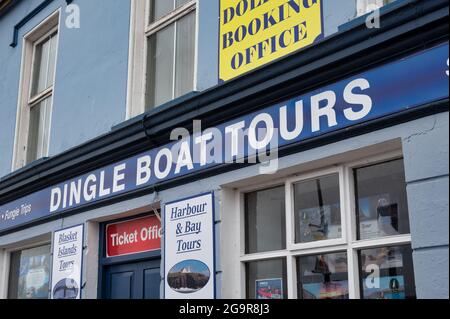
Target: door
{"type": "Point", "coordinates": [133, 280]}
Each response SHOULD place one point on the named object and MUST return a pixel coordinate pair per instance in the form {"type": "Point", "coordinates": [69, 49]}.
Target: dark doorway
{"type": "Point", "coordinates": [133, 280]}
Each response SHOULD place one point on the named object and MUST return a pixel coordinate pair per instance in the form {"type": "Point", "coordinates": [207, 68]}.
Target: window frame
{"type": "Point", "coordinates": [40, 96]}
{"type": "Point", "coordinates": [349, 242]}
{"type": "Point", "coordinates": [43, 240]}
{"type": "Point", "coordinates": [140, 31]}
{"type": "Point", "coordinates": [26, 101]}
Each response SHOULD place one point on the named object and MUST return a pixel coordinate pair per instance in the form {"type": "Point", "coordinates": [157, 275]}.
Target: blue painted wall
{"type": "Point", "coordinates": [92, 65]}
{"type": "Point", "coordinates": [91, 73]}
{"type": "Point", "coordinates": [426, 155]}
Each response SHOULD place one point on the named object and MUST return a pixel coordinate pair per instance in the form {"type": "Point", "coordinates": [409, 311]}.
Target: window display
{"type": "Point", "coordinates": [265, 220]}
{"type": "Point", "coordinates": [323, 277]}
{"type": "Point", "coordinates": [266, 279]}
{"type": "Point", "coordinates": [317, 209]}
{"type": "Point", "coordinates": [382, 208]}
{"type": "Point", "coordinates": [30, 274]}
{"type": "Point", "coordinates": [308, 223]}
{"type": "Point", "coordinates": [387, 273]}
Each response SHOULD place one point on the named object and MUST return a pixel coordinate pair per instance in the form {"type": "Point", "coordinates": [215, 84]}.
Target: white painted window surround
{"type": "Point", "coordinates": [162, 53]}
{"type": "Point", "coordinates": [36, 90]}
{"type": "Point", "coordinates": [233, 225]}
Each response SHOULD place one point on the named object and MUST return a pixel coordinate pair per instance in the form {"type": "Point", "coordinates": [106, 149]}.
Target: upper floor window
{"type": "Point", "coordinates": [163, 68]}
{"type": "Point", "coordinates": [40, 103]}
{"type": "Point", "coordinates": [36, 92]}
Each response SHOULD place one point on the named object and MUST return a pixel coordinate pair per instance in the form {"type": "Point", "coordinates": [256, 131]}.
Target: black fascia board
{"type": "Point", "coordinates": [415, 25]}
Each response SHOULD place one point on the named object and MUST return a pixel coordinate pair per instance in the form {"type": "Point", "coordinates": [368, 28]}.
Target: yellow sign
{"type": "Point", "coordinates": [255, 32]}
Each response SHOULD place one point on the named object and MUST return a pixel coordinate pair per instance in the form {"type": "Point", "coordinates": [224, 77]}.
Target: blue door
{"type": "Point", "coordinates": [133, 280]}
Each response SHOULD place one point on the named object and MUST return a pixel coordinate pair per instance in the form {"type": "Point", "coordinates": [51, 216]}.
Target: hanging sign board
{"type": "Point", "coordinates": [133, 236]}
{"type": "Point", "coordinates": [67, 263]}
{"type": "Point", "coordinates": [396, 87]}
{"type": "Point", "coordinates": [189, 248]}
{"type": "Point", "coordinates": [256, 32]}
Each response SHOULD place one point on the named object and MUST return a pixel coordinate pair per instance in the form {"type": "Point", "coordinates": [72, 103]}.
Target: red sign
{"type": "Point", "coordinates": [133, 236]}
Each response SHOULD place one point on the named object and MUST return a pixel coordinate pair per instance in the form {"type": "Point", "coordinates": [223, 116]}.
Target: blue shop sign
{"type": "Point", "coordinates": [395, 87]}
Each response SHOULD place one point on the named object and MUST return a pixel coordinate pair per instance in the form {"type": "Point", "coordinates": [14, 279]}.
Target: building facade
{"type": "Point", "coordinates": [337, 189]}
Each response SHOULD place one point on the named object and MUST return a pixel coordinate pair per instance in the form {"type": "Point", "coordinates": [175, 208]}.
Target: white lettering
{"type": "Point", "coordinates": [357, 99]}
{"type": "Point", "coordinates": [328, 110]}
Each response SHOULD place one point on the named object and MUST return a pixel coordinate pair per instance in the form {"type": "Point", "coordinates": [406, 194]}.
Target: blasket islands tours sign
{"type": "Point", "coordinates": [189, 270]}
{"type": "Point", "coordinates": [256, 32]}
{"type": "Point", "coordinates": [67, 263]}
{"type": "Point", "coordinates": [395, 87]}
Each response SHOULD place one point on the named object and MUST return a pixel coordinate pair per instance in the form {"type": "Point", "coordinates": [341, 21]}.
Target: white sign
{"type": "Point", "coordinates": [67, 263]}
{"type": "Point", "coordinates": [189, 248]}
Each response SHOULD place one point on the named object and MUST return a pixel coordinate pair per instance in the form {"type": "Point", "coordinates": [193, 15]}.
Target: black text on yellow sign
{"type": "Point", "coordinates": [256, 32]}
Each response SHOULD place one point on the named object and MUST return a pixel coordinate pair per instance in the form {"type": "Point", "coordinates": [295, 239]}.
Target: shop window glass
{"type": "Point", "coordinates": [267, 279]}
{"type": "Point", "coordinates": [317, 209]}
{"type": "Point", "coordinates": [323, 276]}
{"type": "Point", "coordinates": [265, 220]}
{"type": "Point", "coordinates": [381, 203]}
{"type": "Point", "coordinates": [387, 273]}
{"type": "Point", "coordinates": [30, 274]}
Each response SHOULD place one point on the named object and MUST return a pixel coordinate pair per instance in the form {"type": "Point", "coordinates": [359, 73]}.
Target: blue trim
{"type": "Point", "coordinates": [213, 203]}
{"type": "Point", "coordinates": [27, 18]}
{"type": "Point", "coordinates": [163, 224]}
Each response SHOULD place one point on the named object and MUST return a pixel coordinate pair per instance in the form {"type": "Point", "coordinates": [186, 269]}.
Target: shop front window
{"type": "Point", "coordinates": [387, 273]}
{"type": "Point", "coordinates": [382, 208]}
{"type": "Point", "coordinates": [265, 220]}
{"type": "Point", "coordinates": [317, 209]}
{"type": "Point", "coordinates": [30, 273]}
{"type": "Point", "coordinates": [323, 276]}
{"type": "Point", "coordinates": [267, 279]}
{"type": "Point", "coordinates": [337, 233]}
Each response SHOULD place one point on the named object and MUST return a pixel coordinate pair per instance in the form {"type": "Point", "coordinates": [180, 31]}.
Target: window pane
{"type": "Point", "coordinates": [317, 209]}
{"type": "Point", "coordinates": [382, 208]}
{"type": "Point", "coordinates": [160, 67]}
{"type": "Point", "coordinates": [159, 8]}
{"type": "Point", "coordinates": [184, 77]}
{"type": "Point", "coordinates": [30, 273]}
{"type": "Point", "coordinates": [38, 133]}
{"type": "Point", "coordinates": [179, 3]}
{"type": "Point", "coordinates": [267, 279]}
{"type": "Point", "coordinates": [387, 273]}
{"type": "Point", "coordinates": [323, 277]}
{"type": "Point", "coordinates": [40, 67]}
{"type": "Point", "coordinates": [52, 61]}
{"type": "Point", "coordinates": [265, 220]}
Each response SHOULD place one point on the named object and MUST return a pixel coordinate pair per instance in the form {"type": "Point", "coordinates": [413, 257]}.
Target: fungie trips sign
{"type": "Point", "coordinates": [256, 32]}
{"type": "Point", "coordinates": [395, 87]}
